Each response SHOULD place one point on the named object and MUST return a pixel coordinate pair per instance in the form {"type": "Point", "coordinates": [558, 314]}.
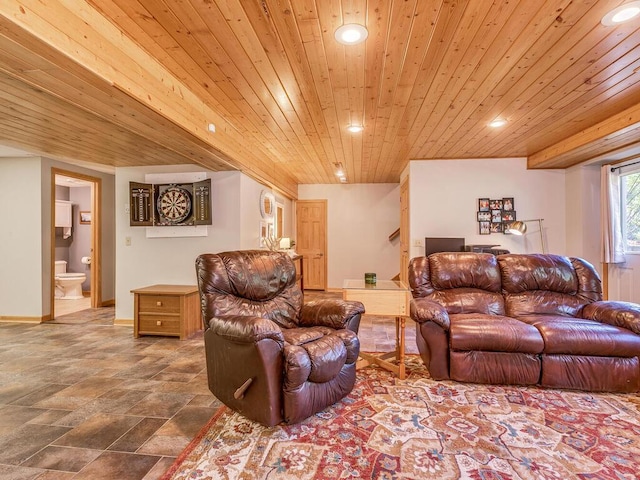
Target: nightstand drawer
{"type": "Point", "coordinates": [159, 324]}
{"type": "Point", "coordinates": [159, 304]}
{"type": "Point", "coordinates": [166, 310]}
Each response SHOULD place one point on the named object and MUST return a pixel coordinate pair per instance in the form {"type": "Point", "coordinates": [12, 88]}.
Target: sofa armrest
{"type": "Point", "coordinates": [332, 313]}
{"type": "Point", "coordinates": [424, 310]}
{"type": "Point", "coordinates": [619, 314]}
{"type": "Point", "coordinates": [245, 329]}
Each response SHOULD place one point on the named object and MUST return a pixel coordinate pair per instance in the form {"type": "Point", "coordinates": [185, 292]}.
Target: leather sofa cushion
{"type": "Point", "coordinates": [575, 336]}
{"type": "Point", "coordinates": [478, 271]}
{"type": "Point", "coordinates": [538, 272]}
{"type": "Point", "coordinates": [315, 354]}
{"type": "Point", "coordinates": [469, 300]}
{"type": "Point", "coordinates": [300, 336]}
{"type": "Point", "coordinates": [542, 302]}
{"type": "Point", "coordinates": [493, 333]}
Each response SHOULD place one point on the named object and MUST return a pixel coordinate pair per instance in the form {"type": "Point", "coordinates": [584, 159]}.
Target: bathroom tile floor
{"type": "Point", "coordinates": [81, 398]}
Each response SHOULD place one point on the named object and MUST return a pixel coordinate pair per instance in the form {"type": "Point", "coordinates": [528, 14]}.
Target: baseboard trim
{"type": "Point", "coordinates": [123, 322]}
{"type": "Point", "coordinates": [17, 319]}
{"type": "Point", "coordinates": [108, 303]}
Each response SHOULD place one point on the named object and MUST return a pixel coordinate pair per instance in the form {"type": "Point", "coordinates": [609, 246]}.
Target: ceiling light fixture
{"type": "Point", "coordinates": [355, 128]}
{"type": "Point", "coordinates": [498, 122]}
{"type": "Point", "coordinates": [351, 34]}
{"type": "Point", "coordinates": [621, 14]}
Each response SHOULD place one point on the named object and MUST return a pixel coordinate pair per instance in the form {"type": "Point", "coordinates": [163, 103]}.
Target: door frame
{"type": "Point", "coordinates": [96, 243]}
{"type": "Point", "coordinates": [326, 235]}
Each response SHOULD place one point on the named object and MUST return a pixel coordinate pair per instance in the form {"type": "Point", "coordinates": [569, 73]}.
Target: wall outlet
{"type": "Point", "coordinates": [127, 241]}
{"type": "Point", "coordinates": [126, 209]}
{"type": "Point", "coordinates": [417, 242]}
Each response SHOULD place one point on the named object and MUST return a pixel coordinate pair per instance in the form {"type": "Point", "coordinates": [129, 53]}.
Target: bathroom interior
{"type": "Point", "coordinates": [72, 292]}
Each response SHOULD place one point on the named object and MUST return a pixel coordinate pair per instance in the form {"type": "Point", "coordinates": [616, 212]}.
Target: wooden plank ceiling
{"type": "Point", "coordinates": [136, 82]}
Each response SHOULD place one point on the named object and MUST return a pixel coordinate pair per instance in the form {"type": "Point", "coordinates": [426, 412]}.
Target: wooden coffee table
{"type": "Point", "coordinates": [387, 298]}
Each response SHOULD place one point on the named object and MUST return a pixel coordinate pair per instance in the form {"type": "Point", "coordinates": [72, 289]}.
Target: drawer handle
{"type": "Point", "coordinates": [159, 304]}
{"type": "Point", "coordinates": [159, 323]}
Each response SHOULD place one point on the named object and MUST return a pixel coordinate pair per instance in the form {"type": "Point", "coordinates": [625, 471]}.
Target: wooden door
{"type": "Point", "coordinates": [311, 242]}
{"type": "Point", "coordinates": [404, 231]}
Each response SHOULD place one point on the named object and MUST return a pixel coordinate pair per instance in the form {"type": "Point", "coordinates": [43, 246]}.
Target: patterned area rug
{"type": "Point", "coordinates": [419, 428]}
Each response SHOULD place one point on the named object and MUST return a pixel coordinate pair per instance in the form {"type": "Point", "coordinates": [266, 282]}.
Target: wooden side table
{"type": "Point", "coordinates": [387, 298]}
{"type": "Point", "coordinates": [298, 262]}
{"type": "Point", "coordinates": [172, 310]}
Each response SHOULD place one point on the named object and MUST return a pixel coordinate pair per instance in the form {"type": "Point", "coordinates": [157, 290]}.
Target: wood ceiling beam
{"type": "Point", "coordinates": [71, 31]}
{"type": "Point", "coordinates": [605, 132]}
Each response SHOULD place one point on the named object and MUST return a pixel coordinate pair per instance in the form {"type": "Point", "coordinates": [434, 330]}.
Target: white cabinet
{"type": "Point", "coordinates": [63, 214]}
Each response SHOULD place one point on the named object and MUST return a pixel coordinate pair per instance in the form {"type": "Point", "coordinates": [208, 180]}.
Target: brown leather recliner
{"type": "Point", "coordinates": [269, 356]}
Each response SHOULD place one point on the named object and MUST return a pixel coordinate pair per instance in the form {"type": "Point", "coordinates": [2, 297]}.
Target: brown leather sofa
{"type": "Point", "coordinates": [523, 320]}
{"type": "Point", "coordinates": [269, 356]}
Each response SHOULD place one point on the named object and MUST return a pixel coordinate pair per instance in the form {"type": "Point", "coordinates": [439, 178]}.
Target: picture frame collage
{"type": "Point", "coordinates": [495, 214]}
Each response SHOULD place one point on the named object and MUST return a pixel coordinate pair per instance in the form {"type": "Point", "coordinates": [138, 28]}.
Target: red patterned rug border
{"type": "Point", "coordinates": [193, 444]}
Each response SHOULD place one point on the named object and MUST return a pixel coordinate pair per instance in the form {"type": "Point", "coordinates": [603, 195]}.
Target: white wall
{"type": "Point", "coordinates": [171, 260]}
{"type": "Point", "coordinates": [81, 234]}
{"type": "Point", "coordinates": [360, 218]}
{"type": "Point", "coordinates": [21, 238]}
{"type": "Point", "coordinates": [583, 213]}
{"type": "Point", "coordinates": [444, 200]}
{"type": "Point", "coordinates": [25, 239]}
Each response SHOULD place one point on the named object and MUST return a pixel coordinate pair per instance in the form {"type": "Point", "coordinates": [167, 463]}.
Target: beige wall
{"type": "Point", "coordinates": [25, 239]}
{"type": "Point", "coordinates": [360, 219]}
{"type": "Point", "coordinates": [171, 260]}
{"type": "Point", "coordinates": [444, 200]}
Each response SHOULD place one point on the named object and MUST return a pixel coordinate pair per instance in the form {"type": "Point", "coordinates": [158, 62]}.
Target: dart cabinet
{"type": "Point", "coordinates": [170, 204]}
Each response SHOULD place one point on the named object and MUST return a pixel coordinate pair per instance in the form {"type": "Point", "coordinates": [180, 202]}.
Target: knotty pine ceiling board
{"type": "Point", "coordinates": [425, 84]}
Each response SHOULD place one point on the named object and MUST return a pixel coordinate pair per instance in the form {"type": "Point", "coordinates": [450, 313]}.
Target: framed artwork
{"type": "Point", "coordinates": [508, 216]}
{"type": "Point", "coordinates": [495, 227]}
{"type": "Point", "coordinates": [484, 216]}
{"type": "Point", "coordinates": [494, 214]}
{"type": "Point", "coordinates": [264, 233]}
{"type": "Point", "coordinates": [85, 218]}
{"type": "Point", "coordinates": [507, 204]}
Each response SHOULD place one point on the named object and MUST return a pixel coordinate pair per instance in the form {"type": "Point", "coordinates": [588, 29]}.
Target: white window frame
{"type": "Point", "coordinates": [625, 172]}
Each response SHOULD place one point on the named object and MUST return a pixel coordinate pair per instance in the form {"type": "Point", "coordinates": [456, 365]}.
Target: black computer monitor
{"type": "Point", "coordinates": [441, 244]}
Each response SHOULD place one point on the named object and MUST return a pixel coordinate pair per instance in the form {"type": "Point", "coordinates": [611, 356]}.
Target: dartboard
{"type": "Point", "coordinates": [174, 204]}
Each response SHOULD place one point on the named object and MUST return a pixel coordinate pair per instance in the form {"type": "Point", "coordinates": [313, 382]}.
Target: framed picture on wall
{"type": "Point", "coordinates": [483, 204]}
{"type": "Point", "coordinates": [496, 216]}
{"type": "Point", "coordinates": [485, 228]}
{"type": "Point", "coordinates": [484, 216]}
{"type": "Point", "coordinates": [495, 227]}
{"type": "Point", "coordinates": [264, 232]}
{"type": "Point", "coordinates": [507, 204]}
{"type": "Point", "coordinates": [85, 218]}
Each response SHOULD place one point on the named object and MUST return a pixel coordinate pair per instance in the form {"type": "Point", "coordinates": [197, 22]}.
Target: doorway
{"type": "Point", "coordinates": [76, 241]}
{"type": "Point", "coordinates": [311, 242]}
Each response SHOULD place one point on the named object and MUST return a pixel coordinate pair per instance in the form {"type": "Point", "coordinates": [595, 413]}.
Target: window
{"type": "Point", "coordinates": [630, 193]}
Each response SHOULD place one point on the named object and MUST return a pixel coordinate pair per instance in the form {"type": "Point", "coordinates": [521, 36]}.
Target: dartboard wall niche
{"type": "Point", "coordinates": [170, 204]}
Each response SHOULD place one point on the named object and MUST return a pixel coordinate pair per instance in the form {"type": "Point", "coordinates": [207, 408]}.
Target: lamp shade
{"type": "Point", "coordinates": [517, 228]}
{"type": "Point", "coordinates": [285, 243]}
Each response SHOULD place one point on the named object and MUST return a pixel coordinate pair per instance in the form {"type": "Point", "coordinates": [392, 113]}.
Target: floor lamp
{"type": "Point", "coordinates": [519, 227]}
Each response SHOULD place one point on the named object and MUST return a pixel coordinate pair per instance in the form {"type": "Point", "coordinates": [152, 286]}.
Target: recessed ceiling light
{"type": "Point", "coordinates": [351, 34]}
{"type": "Point", "coordinates": [354, 128]}
{"type": "Point", "coordinates": [211, 127]}
{"type": "Point", "coordinates": [621, 14]}
{"type": "Point", "coordinates": [498, 122]}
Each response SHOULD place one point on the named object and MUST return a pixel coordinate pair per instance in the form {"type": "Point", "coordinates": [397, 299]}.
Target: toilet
{"type": "Point", "coordinates": [68, 285]}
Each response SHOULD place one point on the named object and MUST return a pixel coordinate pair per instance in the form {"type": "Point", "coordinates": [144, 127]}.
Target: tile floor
{"type": "Point", "coordinates": [81, 398]}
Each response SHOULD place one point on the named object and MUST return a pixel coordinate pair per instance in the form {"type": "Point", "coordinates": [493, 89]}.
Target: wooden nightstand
{"type": "Point", "coordinates": [172, 310]}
